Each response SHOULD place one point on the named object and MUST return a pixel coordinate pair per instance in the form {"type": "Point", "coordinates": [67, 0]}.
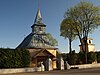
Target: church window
{"type": "Point", "coordinates": [90, 41]}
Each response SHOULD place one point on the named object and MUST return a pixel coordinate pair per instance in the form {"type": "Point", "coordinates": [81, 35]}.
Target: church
{"type": "Point", "coordinates": [89, 46]}
{"type": "Point", "coordinates": [40, 46]}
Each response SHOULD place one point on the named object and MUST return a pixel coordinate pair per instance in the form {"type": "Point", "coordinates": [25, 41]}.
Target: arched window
{"type": "Point", "coordinates": [90, 41]}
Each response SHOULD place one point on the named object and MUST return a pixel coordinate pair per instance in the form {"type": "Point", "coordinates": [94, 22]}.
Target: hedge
{"type": "Point", "coordinates": [14, 58]}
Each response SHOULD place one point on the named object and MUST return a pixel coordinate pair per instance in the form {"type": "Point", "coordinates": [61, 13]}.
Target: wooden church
{"type": "Point", "coordinates": [41, 48]}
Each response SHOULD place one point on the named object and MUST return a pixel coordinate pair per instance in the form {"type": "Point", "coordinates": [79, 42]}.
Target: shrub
{"type": "Point", "coordinates": [91, 57]}
{"type": "Point", "coordinates": [14, 58]}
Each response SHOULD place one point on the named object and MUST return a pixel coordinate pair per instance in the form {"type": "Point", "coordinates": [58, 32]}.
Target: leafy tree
{"type": "Point", "coordinates": [86, 18]}
{"type": "Point", "coordinates": [53, 41]}
{"type": "Point", "coordinates": [67, 31]}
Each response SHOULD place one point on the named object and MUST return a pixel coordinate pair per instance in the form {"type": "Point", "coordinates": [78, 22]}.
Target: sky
{"type": "Point", "coordinates": [17, 17]}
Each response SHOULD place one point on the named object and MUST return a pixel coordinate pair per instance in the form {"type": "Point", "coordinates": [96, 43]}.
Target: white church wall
{"type": "Point", "coordinates": [91, 48]}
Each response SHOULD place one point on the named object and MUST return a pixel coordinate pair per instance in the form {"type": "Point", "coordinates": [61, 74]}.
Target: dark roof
{"type": "Point", "coordinates": [35, 41]}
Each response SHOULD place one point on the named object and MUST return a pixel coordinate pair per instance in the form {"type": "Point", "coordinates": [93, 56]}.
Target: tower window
{"type": "Point", "coordinates": [90, 41]}
{"type": "Point", "coordinates": [40, 28]}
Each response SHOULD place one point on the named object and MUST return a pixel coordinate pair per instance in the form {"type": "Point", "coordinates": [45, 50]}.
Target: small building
{"type": "Point", "coordinates": [90, 46]}
{"type": "Point", "coordinates": [40, 46]}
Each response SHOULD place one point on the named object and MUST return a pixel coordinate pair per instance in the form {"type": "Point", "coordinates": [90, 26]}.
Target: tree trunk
{"type": "Point", "coordinates": [70, 46]}
{"type": "Point", "coordinates": [86, 49]}
{"type": "Point", "coordinates": [70, 51]}
{"type": "Point", "coordinates": [82, 43]}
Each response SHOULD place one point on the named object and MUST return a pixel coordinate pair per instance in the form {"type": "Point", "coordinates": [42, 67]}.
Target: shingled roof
{"type": "Point", "coordinates": [36, 39]}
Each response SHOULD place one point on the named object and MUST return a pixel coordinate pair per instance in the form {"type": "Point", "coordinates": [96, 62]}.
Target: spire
{"type": "Point", "coordinates": [38, 18]}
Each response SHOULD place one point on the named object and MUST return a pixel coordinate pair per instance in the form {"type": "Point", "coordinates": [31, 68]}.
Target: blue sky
{"type": "Point", "coordinates": [17, 17]}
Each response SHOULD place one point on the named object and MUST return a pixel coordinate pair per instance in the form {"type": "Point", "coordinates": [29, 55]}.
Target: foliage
{"type": "Point", "coordinates": [91, 57]}
{"type": "Point", "coordinates": [6, 58]}
{"type": "Point", "coordinates": [65, 56]}
{"type": "Point", "coordinates": [14, 58]}
{"type": "Point", "coordinates": [71, 58]}
{"type": "Point", "coordinates": [98, 57]}
{"type": "Point", "coordinates": [53, 41]}
{"type": "Point", "coordinates": [85, 18]}
{"type": "Point", "coordinates": [86, 15]}
{"type": "Point", "coordinates": [58, 61]}
{"type": "Point", "coordinates": [67, 31]}
{"type": "Point", "coordinates": [22, 57]}
{"type": "Point", "coordinates": [81, 58]}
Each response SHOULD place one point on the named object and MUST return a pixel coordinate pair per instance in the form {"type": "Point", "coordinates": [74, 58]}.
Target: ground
{"type": "Point", "coordinates": [95, 71]}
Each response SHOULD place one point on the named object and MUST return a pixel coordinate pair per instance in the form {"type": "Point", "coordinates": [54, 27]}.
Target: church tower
{"type": "Point", "coordinates": [38, 38]}
{"type": "Point", "coordinates": [38, 27]}
{"type": "Point", "coordinates": [89, 46]}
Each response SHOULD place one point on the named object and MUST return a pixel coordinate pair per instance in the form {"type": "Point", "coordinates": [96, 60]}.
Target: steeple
{"type": "Point", "coordinates": [38, 27]}
{"type": "Point", "coordinates": [38, 38]}
{"type": "Point", "coordinates": [38, 18]}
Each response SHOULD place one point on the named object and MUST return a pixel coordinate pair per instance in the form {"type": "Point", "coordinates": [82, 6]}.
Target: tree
{"type": "Point", "coordinates": [86, 18]}
{"type": "Point", "coordinates": [67, 31]}
{"type": "Point", "coordinates": [52, 41]}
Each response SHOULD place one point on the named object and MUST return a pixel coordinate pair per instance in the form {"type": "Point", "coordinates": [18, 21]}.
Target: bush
{"type": "Point", "coordinates": [14, 58]}
{"type": "Point", "coordinates": [91, 57]}
{"type": "Point", "coordinates": [81, 58]}
{"type": "Point", "coordinates": [23, 58]}
{"type": "Point", "coordinates": [73, 58]}
{"type": "Point", "coordinates": [6, 58]}
{"type": "Point", "coordinates": [98, 57]}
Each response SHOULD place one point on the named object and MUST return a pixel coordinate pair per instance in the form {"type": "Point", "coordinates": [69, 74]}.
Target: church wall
{"type": "Point", "coordinates": [91, 48]}
{"type": "Point", "coordinates": [33, 63]}
{"type": "Point", "coordinates": [54, 65]}
{"type": "Point", "coordinates": [89, 41]}
{"type": "Point", "coordinates": [53, 52]}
